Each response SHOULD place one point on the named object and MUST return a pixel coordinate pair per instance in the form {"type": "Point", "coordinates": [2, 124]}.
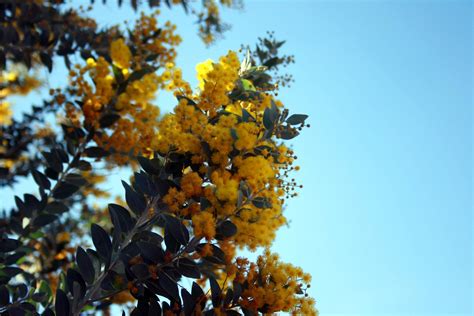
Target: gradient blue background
{"type": "Point", "coordinates": [384, 221]}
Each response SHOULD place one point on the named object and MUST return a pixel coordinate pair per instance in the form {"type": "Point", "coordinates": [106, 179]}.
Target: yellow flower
{"type": "Point", "coordinates": [202, 70]}
{"type": "Point", "coordinates": [120, 53]}
{"type": "Point", "coordinates": [5, 113]}
{"type": "Point", "coordinates": [204, 225]}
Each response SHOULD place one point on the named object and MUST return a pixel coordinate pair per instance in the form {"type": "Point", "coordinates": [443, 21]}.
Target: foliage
{"type": "Point", "coordinates": [210, 178]}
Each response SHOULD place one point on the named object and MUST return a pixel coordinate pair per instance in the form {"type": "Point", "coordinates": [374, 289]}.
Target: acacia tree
{"type": "Point", "coordinates": [209, 179]}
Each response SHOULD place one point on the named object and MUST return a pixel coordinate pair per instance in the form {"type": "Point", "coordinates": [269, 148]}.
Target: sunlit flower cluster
{"type": "Point", "coordinates": [107, 87]}
{"type": "Point", "coordinates": [231, 153]}
{"type": "Point", "coordinates": [274, 286]}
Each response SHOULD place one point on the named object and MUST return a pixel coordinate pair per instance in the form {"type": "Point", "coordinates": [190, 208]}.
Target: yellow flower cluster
{"type": "Point", "coordinates": [150, 38]}
{"type": "Point", "coordinates": [98, 84]}
{"type": "Point", "coordinates": [274, 286]}
{"type": "Point", "coordinates": [120, 54]}
{"type": "Point", "coordinates": [204, 225]}
{"type": "Point", "coordinates": [217, 80]}
{"type": "Point", "coordinates": [5, 113]}
{"type": "Point", "coordinates": [235, 153]}
{"type": "Point", "coordinates": [17, 81]}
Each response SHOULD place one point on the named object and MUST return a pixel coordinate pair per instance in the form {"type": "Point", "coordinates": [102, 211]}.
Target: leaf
{"type": "Point", "coordinates": [188, 302]}
{"type": "Point", "coordinates": [120, 217]}
{"type": "Point", "coordinates": [177, 229]}
{"type": "Point", "coordinates": [188, 268]}
{"type": "Point", "coordinates": [205, 203]}
{"type": "Point", "coordinates": [216, 292]}
{"type": "Point", "coordinates": [141, 271]}
{"type": "Point", "coordinates": [41, 179]}
{"type": "Point", "coordinates": [75, 284]}
{"type": "Point", "coordinates": [296, 119]}
{"type": "Point", "coordinates": [62, 303]}
{"type": "Point", "coordinates": [149, 236]}
{"type": "Point", "coordinates": [54, 161]}
{"type": "Point", "coordinates": [237, 292]}
{"type": "Point", "coordinates": [64, 190]}
{"type": "Point", "coordinates": [139, 74]}
{"type": "Point", "coordinates": [4, 296]}
{"type": "Point", "coordinates": [46, 60]}
{"type": "Point", "coordinates": [246, 116]}
{"type": "Point", "coordinates": [288, 133]}
{"type": "Point", "coordinates": [85, 265]}
{"type": "Point", "coordinates": [51, 173]}
{"type": "Point", "coordinates": [248, 85]}
{"type": "Point", "coordinates": [227, 229]}
{"type": "Point", "coordinates": [9, 244]}
{"type": "Point", "coordinates": [10, 271]}
{"type": "Point", "coordinates": [196, 291]}
{"type": "Point", "coordinates": [108, 120]}
{"type": "Point", "coordinates": [261, 202]}
{"type": "Point", "coordinates": [56, 207]}
{"type": "Point", "coordinates": [14, 258]}
{"type": "Point", "coordinates": [168, 285]}
{"type": "Point", "coordinates": [228, 296]}
{"type": "Point", "coordinates": [101, 242]}
{"type": "Point", "coordinates": [95, 152]}
{"type": "Point", "coordinates": [217, 257]}
{"type": "Point", "coordinates": [150, 166]}
{"type": "Point", "coordinates": [75, 179]}
{"type": "Point", "coordinates": [135, 201]}
{"type": "Point", "coordinates": [151, 252]}
{"type": "Point", "coordinates": [83, 165]}
{"type": "Point", "coordinates": [268, 119]}
{"type": "Point", "coordinates": [44, 219]}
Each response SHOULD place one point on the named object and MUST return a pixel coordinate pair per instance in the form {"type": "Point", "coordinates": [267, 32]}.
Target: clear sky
{"type": "Point", "coordinates": [384, 221]}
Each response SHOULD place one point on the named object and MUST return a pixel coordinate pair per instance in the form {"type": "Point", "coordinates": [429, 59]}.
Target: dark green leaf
{"type": "Point", "coordinates": [196, 291]}
{"type": "Point", "coordinates": [188, 268]}
{"type": "Point", "coordinates": [41, 179]}
{"type": "Point", "coordinates": [246, 116]}
{"type": "Point", "coordinates": [96, 152]}
{"type": "Point", "coordinates": [296, 119]}
{"type": "Point", "coordinates": [139, 74]}
{"type": "Point", "coordinates": [62, 303]}
{"type": "Point", "coordinates": [56, 207]}
{"type": "Point", "coordinates": [11, 271]}
{"type": "Point", "coordinates": [4, 296]}
{"type": "Point", "coordinates": [268, 119]}
{"type": "Point", "coordinates": [227, 229]}
{"type": "Point", "coordinates": [151, 252]}
{"type": "Point", "coordinates": [8, 244]}
{"type": "Point", "coordinates": [75, 179]}
{"type": "Point", "coordinates": [141, 271]}
{"type": "Point", "coordinates": [150, 166]}
{"type": "Point", "coordinates": [85, 265]}
{"type": "Point", "coordinates": [177, 229]}
{"type": "Point", "coordinates": [169, 285]}
{"type": "Point", "coordinates": [216, 292]}
{"type": "Point", "coordinates": [135, 201]}
{"type": "Point", "coordinates": [64, 190]}
{"type": "Point", "coordinates": [261, 202]}
{"type": "Point", "coordinates": [188, 302]}
{"type": "Point", "coordinates": [205, 203]}
{"type": "Point", "coordinates": [109, 119]}
{"type": "Point", "coordinates": [101, 242]}
{"type": "Point", "coordinates": [44, 219]}
{"type": "Point", "coordinates": [46, 60]}
{"type": "Point", "coordinates": [120, 217]}
{"type": "Point", "coordinates": [54, 161]}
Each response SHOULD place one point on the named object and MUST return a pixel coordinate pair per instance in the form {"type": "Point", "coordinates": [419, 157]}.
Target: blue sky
{"type": "Point", "coordinates": [384, 221]}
